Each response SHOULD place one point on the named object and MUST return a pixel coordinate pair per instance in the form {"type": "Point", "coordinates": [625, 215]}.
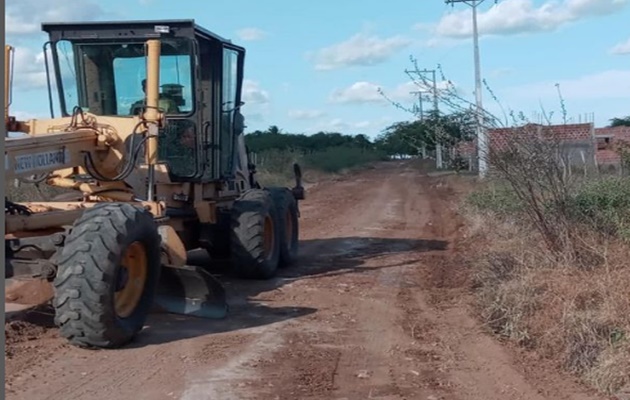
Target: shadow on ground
{"type": "Point", "coordinates": [336, 256]}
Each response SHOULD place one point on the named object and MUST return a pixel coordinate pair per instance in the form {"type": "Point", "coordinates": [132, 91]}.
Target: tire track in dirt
{"type": "Point", "coordinates": [455, 353]}
{"type": "Point", "coordinates": [378, 307]}
{"type": "Point", "coordinates": [368, 326]}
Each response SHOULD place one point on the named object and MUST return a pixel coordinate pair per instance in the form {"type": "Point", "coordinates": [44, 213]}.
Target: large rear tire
{"type": "Point", "coordinates": [288, 223]}
{"type": "Point", "coordinates": [107, 277]}
{"type": "Point", "coordinates": [254, 235]}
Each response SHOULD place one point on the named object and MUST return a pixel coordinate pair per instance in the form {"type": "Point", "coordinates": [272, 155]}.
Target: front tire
{"type": "Point", "coordinates": [288, 225]}
{"type": "Point", "coordinates": [254, 235]}
{"type": "Point", "coordinates": [107, 277]}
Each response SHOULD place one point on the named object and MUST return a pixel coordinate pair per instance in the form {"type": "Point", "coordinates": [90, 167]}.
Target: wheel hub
{"type": "Point", "coordinates": [268, 237]}
{"type": "Point", "coordinates": [123, 278]}
{"type": "Point", "coordinates": [132, 276]}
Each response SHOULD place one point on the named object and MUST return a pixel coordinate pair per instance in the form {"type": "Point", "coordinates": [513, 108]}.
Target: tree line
{"type": "Point", "coordinates": [400, 138]}
{"type": "Point", "coordinates": [404, 138]}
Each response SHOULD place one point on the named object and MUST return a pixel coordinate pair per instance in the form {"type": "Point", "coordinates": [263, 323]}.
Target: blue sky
{"type": "Point", "coordinates": [318, 65]}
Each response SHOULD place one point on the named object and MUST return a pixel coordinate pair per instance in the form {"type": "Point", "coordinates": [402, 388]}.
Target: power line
{"type": "Point", "coordinates": [481, 134]}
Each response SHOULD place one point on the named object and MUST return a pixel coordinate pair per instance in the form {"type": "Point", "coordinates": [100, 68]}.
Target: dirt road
{"type": "Point", "coordinates": [378, 308]}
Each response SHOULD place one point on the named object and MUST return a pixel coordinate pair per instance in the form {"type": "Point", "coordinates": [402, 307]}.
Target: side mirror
{"type": "Point", "coordinates": [239, 123]}
{"type": "Point", "coordinates": [298, 190]}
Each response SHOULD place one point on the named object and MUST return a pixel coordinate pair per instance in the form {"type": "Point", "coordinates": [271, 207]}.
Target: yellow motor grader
{"type": "Point", "coordinates": [149, 142]}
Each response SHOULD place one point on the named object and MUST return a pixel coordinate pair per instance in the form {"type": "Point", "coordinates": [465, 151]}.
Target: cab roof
{"type": "Point", "coordinates": [145, 29]}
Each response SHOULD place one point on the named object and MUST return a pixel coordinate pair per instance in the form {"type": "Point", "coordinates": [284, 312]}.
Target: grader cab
{"type": "Point", "coordinates": [147, 136]}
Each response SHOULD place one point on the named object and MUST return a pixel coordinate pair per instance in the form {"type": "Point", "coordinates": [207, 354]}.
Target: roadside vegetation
{"type": "Point", "coordinates": [332, 153]}
{"type": "Point", "coordinates": [548, 238]}
{"type": "Point", "coordinates": [324, 153]}
{"type": "Point", "coordinates": [553, 276]}
{"type": "Point", "coordinates": [551, 273]}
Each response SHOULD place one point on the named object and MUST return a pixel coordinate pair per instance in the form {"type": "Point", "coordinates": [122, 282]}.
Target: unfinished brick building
{"type": "Point", "coordinates": [578, 141]}
{"type": "Point", "coordinates": [609, 143]}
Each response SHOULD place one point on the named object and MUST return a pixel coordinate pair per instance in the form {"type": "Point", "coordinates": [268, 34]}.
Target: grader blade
{"type": "Point", "coordinates": [192, 291]}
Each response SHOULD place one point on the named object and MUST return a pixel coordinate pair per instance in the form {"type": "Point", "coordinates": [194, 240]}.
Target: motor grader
{"type": "Point", "coordinates": [147, 137]}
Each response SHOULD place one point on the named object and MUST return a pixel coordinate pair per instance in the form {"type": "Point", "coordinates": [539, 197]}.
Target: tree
{"type": "Point", "coordinates": [273, 138]}
{"type": "Point", "coordinates": [615, 122]}
{"type": "Point", "coordinates": [361, 141]}
{"type": "Point", "coordinates": [274, 130]}
{"type": "Point", "coordinates": [394, 140]}
{"type": "Point", "coordinates": [456, 119]}
{"type": "Point", "coordinates": [412, 137]}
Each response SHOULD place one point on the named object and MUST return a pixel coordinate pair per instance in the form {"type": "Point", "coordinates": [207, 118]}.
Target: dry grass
{"type": "Point", "coordinates": [575, 314]}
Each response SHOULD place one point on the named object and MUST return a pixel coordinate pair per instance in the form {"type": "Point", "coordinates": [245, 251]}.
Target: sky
{"type": "Point", "coordinates": [318, 65]}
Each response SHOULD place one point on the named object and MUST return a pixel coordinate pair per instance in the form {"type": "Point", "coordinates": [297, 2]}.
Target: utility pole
{"type": "Point", "coordinates": [481, 134]}
{"type": "Point", "coordinates": [438, 144]}
{"type": "Point", "coordinates": [421, 111]}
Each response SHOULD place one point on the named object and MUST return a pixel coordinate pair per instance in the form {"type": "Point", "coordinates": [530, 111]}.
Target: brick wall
{"type": "Point", "coordinates": [607, 141]}
{"type": "Point", "coordinates": [466, 149]}
{"type": "Point", "coordinates": [618, 132]}
{"type": "Point", "coordinates": [578, 140]}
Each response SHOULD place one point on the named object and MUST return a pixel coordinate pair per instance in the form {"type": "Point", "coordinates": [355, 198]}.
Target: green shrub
{"type": "Point", "coordinates": [499, 199]}
{"type": "Point", "coordinates": [275, 167]}
{"type": "Point", "coordinates": [335, 159]}
{"type": "Point", "coordinates": [605, 204]}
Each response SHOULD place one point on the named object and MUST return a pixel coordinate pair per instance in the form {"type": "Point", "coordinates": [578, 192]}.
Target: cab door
{"type": "Point", "coordinates": [231, 85]}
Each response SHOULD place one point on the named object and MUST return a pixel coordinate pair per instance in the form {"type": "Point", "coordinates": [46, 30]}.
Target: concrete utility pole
{"type": "Point", "coordinates": [421, 110]}
{"type": "Point", "coordinates": [481, 134]}
{"type": "Point", "coordinates": [438, 145]}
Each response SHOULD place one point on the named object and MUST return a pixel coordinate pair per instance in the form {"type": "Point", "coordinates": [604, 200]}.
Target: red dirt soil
{"type": "Point", "coordinates": [379, 307]}
{"type": "Point", "coordinates": [29, 292]}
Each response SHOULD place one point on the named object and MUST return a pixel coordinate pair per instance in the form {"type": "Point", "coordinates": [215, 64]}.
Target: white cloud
{"type": "Point", "coordinates": [611, 84]}
{"type": "Point", "coordinates": [358, 92]}
{"type": "Point", "coordinates": [24, 17]}
{"type": "Point", "coordinates": [25, 116]}
{"type": "Point", "coordinates": [336, 124]}
{"type": "Point", "coordinates": [257, 101]}
{"type": "Point", "coordinates": [375, 125]}
{"type": "Point", "coordinates": [28, 69]}
{"type": "Point", "coordinates": [360, 50]}
{"type": "Point", "coordinates": [250, 34]}
{"type": "Point", "coordinates": [306, 114]}
{"type": "Point", "coordinates": [253, 117]}
{"type": "Point", "coordinates": [253, 94]}
{"type": "Point", "coordinates": [622, 48]}
{"type": "Point", "coordinates": [423, 26]}
{"type": "Point", "coordinates": [521, 16]}
{"type": "Point", "coordinates": [369, 127]}
{"type": "Point", "coordinates": [367, 92]}
{"type": "Point", "coordinates": [501, 72]}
